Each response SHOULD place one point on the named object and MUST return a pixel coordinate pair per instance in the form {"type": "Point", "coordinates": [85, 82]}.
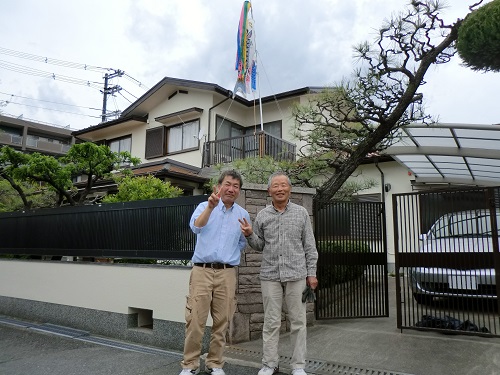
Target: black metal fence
{"type": "Point", "coordinates": [247, 146]}
{"type": "Point", "coordinates": [447, 258]}
{"type": "Point", "coordinates": [152, 229]}
{"type": "Point", "coordinates": [352, 265]}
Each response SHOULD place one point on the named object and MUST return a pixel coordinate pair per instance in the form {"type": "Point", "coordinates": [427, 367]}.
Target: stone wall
{"type": "Point", "coordinates": [249, 317]}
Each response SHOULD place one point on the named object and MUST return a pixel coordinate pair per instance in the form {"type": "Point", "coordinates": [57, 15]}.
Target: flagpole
{"type": "Point", "coordinates": [246, 57]}
{"type": "Point", "coordinates": [260, 97]}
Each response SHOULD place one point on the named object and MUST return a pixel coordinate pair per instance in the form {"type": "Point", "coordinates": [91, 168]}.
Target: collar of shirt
{"type": "Point", "coordinates": [220, 240]}
{"type": "Point", "coordinates": [221, 206]}
{"type": "Point", "coordinates": [286, 207]}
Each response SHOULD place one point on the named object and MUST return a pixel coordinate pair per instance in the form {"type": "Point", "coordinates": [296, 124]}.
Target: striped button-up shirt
{"type": "Point", "coordinates": [286, 240]}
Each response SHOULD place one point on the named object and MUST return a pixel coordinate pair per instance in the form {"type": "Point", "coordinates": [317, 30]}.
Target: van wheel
{"type": "Point", "coordinates": [422, 299]}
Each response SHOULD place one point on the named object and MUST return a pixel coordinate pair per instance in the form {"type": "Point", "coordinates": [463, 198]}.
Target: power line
{"type": "Point", "coordinates": [66, 64]}
{"type": "Point", "coordinates": [40, 73]}
{"type": "Point", "coordinates": [48, 101]}
{"type": "Point", "coordinates": [108, 90]}
{"type": "Point", "coordinates": [52, 109]}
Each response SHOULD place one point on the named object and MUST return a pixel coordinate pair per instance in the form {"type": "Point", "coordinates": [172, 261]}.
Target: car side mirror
{"type": "Point", "coordinates": [422, 237]}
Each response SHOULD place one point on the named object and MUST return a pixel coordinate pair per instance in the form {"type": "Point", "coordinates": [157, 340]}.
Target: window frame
{"type": "Point", "coordinates": [119, 139]}
{"type": "Point", "coordinates": [182, 150]}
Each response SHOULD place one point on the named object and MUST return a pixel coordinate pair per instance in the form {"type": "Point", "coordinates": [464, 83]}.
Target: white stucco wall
{"type": "Point", "coordinates": [400, 181]}
{"type": "Point", "coordinates": [106, 287]}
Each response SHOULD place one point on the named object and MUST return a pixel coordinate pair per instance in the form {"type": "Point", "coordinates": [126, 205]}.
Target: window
{"type": "Point", "coordinates": [156, 142]}
{"type": "Point", "coordinates": [227, 129]}
{"type": "Point", "coordinates": [273, 128]}
{"type": "Point", "coordinates": [183, 137]}
{"type": "Point", "coordinates": [273, 145]}
{"type": "Point", "coordinates": [121, 144]}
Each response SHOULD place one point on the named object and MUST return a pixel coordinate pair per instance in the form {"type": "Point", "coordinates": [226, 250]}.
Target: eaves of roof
{"type": "Point", "coordinates": [169, 168]}
{"type": "Point", "coordinates": [176, 82]}
{"type": "Point", "coordinates": [108, 124]}
{"type": "Point", "coordinates": [213, 88]}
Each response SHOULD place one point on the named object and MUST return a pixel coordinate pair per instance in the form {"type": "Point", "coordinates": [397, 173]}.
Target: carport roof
{"type": "Point", "coordinates": [456, 154]}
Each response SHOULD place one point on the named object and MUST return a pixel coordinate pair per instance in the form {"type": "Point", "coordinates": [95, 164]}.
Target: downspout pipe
{"type": "Point", "coordinates": [382, 180]}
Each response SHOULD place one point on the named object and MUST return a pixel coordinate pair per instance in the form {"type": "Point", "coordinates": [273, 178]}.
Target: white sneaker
{"type": "Point", "coordinates": [266, 370]}
{"type": "Point", "coordinates": [188, 371]}
{"type": "Point", "coordinates": [215, 371]}
{"type": "Point", "coordinates": [298, 371]}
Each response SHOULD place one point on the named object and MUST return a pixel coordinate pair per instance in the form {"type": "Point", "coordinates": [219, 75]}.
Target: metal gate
{"type": "Point", "coordinates": [447, 258]}
{"type": "Point", "coordinates": [352, 264]}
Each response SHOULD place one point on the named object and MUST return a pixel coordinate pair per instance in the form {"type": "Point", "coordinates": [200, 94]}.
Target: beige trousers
{"type": "Point", "coordinates": [272, 295]}
{"type": "Point", "coordinates": [210, 290]}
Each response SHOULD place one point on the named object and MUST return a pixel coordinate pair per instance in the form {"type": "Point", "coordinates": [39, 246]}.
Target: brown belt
{"type": "Point", "coordinates": [217, 266]}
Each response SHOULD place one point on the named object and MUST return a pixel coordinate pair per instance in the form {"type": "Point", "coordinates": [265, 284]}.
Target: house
{"type": "Point", "coordinates": [28, 136]}
{"type": "Point", "coordinates": [181, 128]}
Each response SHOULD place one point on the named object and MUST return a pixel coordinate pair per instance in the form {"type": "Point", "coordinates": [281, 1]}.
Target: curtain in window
{"type": "Point", "coordinates": [114, 146]}
{"type": "Point", "coordinates": [174, 139]}
{"type": "Point", "coordinates": [126, 144]}
{"type": "Point", "coordinates": [190, 136]}
{"type": "Point", "coordinates": [119, 145]}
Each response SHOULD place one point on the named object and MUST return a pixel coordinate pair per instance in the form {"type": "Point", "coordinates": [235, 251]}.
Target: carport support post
{"type": "Point", "coordinates": [494, 239]}
{"type": "Point", "coordinates": [399, 317]}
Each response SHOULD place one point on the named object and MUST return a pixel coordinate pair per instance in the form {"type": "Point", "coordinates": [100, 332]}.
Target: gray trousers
{"type": "Point", "coordinates": [272, 295]}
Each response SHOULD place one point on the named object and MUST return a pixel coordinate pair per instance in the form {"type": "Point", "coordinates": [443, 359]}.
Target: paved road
{"type": "Point", "coordinates": [27, 352]}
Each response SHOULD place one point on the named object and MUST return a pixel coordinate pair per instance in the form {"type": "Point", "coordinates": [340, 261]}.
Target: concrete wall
{"type": "Point", "coordinates": [141, 303]}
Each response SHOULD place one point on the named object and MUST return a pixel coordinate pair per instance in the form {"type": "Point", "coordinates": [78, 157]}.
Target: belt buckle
{"type": "Point", "coordinates": [212, 266]}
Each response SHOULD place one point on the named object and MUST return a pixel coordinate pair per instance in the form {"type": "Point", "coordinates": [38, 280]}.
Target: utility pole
{"type": "Point", "coordinates": [109, 90]}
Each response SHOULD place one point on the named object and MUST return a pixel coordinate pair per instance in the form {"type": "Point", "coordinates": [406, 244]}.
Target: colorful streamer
{"type": "Point", "coordinates": [246, 56]}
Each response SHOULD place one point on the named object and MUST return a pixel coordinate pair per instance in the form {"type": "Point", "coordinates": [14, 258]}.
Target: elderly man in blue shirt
{"type": "Point", "coordinates": [212, 284]}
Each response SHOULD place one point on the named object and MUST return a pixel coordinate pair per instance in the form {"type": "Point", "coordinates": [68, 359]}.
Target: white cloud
{"type": "Point", "coordinates": [299, 43]}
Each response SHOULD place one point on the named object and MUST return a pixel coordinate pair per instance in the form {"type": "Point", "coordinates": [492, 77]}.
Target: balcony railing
{"type": "Point", "coordinates": [10, 139]}
{"type": "Point", "coordinates": [247, 146]}
{"type": "Point", "coordinates": [45, 145]}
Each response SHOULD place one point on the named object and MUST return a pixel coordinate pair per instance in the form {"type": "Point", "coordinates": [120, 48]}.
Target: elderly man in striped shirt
{"type": "Point", "coordinates": [284, 234]}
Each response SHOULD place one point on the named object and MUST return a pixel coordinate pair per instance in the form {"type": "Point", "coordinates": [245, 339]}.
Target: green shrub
{"type": "Point", "coordinates": [329, 273]}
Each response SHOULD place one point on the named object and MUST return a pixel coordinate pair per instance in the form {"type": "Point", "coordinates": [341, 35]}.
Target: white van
{"type": "Point", "coordinates": [457, 232]}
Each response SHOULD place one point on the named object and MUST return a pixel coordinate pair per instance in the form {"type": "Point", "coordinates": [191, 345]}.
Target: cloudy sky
{"type": "Point", "coordinates": [300, 43]}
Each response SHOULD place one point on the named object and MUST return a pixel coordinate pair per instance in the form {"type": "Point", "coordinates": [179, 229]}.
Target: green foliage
{"type": "Point", "coordinates": [337, 274]}
{"type": "Point", "coordinates": [141, 188]}
{"type": "Point", "coordinates": [478, 42]}
{"type": "Point", "coordinates": [39, 196]}
{"type": "Point", "coordinates": [307, 172]}
{"type": "Point", "coordinates": [97, 161]}
{"type": "Point", "coordinates": [38, 167]}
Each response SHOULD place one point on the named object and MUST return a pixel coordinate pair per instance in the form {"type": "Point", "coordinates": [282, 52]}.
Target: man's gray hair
{"type": "Point", "coordinates": [276, 174]}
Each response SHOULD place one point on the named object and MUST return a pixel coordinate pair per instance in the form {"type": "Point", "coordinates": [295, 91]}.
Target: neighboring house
{"type": "Point", "coordinates": [181, 128]}
{"type": "Point", "coordinates": [28, 136]}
